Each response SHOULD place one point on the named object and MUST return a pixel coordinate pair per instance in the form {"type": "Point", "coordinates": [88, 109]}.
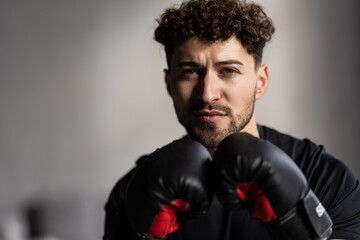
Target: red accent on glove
{"type": "Point", "coordinates": [165, 222]}
{"type": "Point", "coordinates": [262, 209]}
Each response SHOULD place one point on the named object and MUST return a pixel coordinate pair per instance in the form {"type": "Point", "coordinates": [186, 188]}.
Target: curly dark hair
{"type": "Point", "coordinates": [213, 20]}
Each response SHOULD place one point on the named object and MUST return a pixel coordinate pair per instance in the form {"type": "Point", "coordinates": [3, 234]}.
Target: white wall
{"type": "Point", "coordinates": [82, 92]}
{"type": "Point", "coordinates": [314, 84]}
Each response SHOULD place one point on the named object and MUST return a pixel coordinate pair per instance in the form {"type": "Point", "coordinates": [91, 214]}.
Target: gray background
{"type": "Point", "coordinates": [82, 96]}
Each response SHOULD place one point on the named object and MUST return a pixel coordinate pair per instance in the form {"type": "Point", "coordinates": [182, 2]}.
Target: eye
{"type": "Point", "coordinates": [229, 72]}
{"type": "Point", "coordinates": [189, 74]}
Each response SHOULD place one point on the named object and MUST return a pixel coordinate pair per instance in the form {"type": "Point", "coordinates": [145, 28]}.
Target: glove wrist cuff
{"type": "Point", "coordinates": [309, 220]}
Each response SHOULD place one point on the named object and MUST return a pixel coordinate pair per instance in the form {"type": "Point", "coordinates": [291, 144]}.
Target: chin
{"type": "Point", "coordinates": [209, 138]}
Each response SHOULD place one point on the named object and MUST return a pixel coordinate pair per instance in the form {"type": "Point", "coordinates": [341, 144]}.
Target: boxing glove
{"type": "Point", "coordinates": [172, 184]}
{"type": "Point", "coordinates": [254, 174]}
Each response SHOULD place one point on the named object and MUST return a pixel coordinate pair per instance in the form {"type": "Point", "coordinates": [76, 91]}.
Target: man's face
{"type": "Point", "coordinates": [214, 88]}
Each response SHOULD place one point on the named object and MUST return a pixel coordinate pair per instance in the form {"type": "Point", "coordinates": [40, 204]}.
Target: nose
{"type": "Point", "coordinates": [210, 89]}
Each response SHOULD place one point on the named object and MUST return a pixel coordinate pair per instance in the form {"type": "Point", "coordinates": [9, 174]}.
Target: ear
{"type": "Point", "coordinates": [168, 81]}
{"type": "Point", "coordinates": [262, 79]}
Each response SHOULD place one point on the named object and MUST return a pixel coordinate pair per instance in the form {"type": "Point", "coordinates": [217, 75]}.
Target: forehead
{"type": "Point", "coordinates": [196, 50]}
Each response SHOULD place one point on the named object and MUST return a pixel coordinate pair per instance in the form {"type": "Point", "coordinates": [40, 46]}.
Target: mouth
{"type": "Point", "coordinates": [210, 115]}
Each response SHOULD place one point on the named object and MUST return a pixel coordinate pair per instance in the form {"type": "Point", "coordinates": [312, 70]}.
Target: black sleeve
{"type": "Point", "coordinates": [116, 223]}
{"type": "Point", "coordinates": [331, 180]}
{"type": "Point", "coordinates": [339, 191]}
{"type": "Point", "coordinates": [336, 186]}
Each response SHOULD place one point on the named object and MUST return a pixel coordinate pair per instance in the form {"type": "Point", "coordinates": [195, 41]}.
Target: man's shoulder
{"type": "Point", "coordinates": [121, 185]}
{"type": "Point", "coordinates": [316, 164]}
{"type": "Point", "coordinates": [296, 148]}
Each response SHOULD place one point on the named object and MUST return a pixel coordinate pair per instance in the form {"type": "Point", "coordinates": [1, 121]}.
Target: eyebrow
{"type": "Point", "coordinates": [229, 62]}
{"type": "Point", "coordinates": [194, 64]}
{"type": "Point", "coordinates": [187, 63]}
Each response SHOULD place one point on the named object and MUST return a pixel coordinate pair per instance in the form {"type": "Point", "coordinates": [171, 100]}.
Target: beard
{"type": "Point", "coordinates": [208, 133]}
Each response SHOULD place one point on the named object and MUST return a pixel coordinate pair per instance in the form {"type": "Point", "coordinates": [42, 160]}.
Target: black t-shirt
{"type": "Point", "coordinates": [334, 184]}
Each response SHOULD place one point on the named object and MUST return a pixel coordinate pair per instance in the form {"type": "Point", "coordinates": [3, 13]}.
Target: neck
{"type": "Point", "coordinates": [251, 127]}
{"type": "Point", "coordinates": [211, 151]}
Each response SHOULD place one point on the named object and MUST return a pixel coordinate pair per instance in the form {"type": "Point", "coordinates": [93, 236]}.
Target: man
{"type": "Point", "coordinates": [267, 185]}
